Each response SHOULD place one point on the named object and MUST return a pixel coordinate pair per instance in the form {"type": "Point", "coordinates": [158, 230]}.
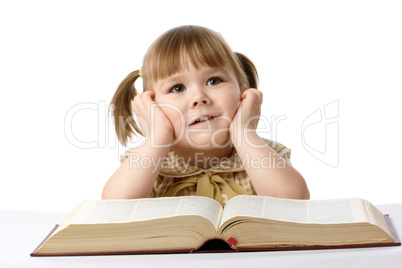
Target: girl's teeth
{"type": "Point", "coordinates": [203, 119]}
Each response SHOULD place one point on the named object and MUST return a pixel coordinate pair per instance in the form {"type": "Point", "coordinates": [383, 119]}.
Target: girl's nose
{"type": "Point", "coordinates": [196, 103]}
{"type": "Point", "coordinates": [200, 98]}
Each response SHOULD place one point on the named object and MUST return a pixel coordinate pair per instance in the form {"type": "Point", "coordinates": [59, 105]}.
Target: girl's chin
{"type": "Point", "coordinates": [206, 141]}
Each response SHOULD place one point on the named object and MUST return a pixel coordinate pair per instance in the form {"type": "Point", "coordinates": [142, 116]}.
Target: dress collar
{"type": "Point", "coordinates": [175, 166]}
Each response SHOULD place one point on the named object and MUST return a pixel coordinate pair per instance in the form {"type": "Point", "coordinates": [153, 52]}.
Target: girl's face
{"type": "Point", "coordinates": [200, 104]}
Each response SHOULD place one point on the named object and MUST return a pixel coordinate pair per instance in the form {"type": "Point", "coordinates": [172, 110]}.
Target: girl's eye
{"type": "Point", "coordinates": [177, 88]}
{"type": "Point", "coordinates": [214, 81]}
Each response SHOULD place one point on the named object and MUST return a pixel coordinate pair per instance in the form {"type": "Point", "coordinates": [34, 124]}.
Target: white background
{"type": "Point", "coordinates": [345, 55]}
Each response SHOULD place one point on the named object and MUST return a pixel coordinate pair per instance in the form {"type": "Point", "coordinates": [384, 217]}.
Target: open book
{"type": "Point", "coordinates": [191, 224]}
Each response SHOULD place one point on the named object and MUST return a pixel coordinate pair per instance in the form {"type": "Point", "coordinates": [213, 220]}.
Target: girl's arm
{"type": "Point", "coordinates": [136, 176]}
{"type": "Point", "coordinates": [269, 173]}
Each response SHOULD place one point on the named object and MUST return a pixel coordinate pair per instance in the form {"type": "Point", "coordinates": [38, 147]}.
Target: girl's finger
{"type": "Point", "coordinates": [150, 94]}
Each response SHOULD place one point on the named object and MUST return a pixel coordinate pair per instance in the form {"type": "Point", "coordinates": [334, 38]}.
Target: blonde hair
{"type": "Point", "coordinates": [168, 55]}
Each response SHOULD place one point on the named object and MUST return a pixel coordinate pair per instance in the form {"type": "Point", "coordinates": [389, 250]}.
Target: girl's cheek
{"type": "Point", "coordinates": [175, 116]}
{"type": "Point", "coordinates": [172, 112]}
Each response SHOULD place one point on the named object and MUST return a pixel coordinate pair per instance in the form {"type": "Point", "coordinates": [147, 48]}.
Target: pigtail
{"type": "Point", "coordinates": [124, 122]}
{"type": "Point", "coordinates": [249, 69]}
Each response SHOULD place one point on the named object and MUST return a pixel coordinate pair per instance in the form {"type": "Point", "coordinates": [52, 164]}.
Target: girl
{"type": "Point", "coordinates": [198, 112]}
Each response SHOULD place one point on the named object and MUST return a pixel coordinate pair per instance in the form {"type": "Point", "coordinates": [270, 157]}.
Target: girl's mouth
{"type": "Point", "coordinates": [202, 119]}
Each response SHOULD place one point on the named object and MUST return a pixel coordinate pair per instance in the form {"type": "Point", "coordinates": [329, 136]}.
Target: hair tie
{"type": "Point", "coordinates": [140, 72]}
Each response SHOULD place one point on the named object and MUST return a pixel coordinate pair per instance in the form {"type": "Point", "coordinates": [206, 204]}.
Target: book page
{"type": "Point", "coordinates": [110, 211]}
{"type": "Point", "coordinates": [303, 211]}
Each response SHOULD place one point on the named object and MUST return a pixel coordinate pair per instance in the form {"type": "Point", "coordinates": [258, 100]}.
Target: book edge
{"type": "Point", "coordinates": [44, 240]}
{"type": "Point", "coordinates": [315, 247]}
{"type": "Point", "coordinates": [233, 249]}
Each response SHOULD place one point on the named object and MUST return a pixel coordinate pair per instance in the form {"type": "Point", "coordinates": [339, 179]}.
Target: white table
{"type": "Point", "coordinates": [22, 231]}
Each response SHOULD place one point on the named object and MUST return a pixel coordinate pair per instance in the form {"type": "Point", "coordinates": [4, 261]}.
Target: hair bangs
{"type": "Point", "coordinates": [175, 50]}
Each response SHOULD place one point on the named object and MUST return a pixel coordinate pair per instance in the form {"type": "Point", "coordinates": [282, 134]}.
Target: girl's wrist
{"type": "Point", "coordinates": [242, 135]}
{"type": "Point", "coordinates": [161, 136]}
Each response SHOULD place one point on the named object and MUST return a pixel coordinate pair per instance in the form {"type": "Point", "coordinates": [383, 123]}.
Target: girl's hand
{"type": "Point", "coordinates": [151, 118]}
{"type": "Point", "coordinates": [247, 115]}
